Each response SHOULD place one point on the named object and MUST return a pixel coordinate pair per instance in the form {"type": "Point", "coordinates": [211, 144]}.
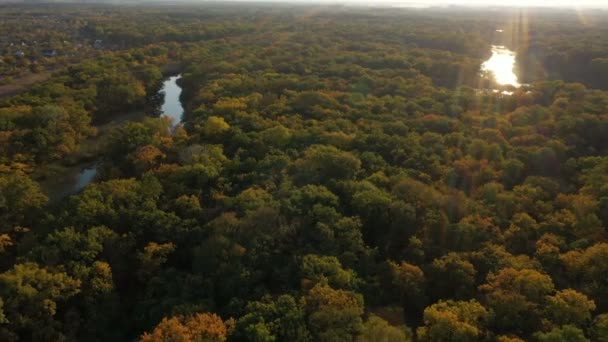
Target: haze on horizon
{"type": "Point", "coordinates": [443, 3]}
{"type": "Point", "coordinates": [581, 4]}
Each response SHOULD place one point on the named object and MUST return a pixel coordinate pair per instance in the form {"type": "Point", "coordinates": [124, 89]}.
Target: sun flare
{"type": "Point", "coordinates": [501, 66]}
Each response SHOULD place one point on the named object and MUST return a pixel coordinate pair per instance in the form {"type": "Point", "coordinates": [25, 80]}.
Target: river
{"type": "Point", "coordinates": [172, 106]}
{"type": "Point", "coordinates": [501, 65]}
{"type": "Point", "coordinates": [74, 179]}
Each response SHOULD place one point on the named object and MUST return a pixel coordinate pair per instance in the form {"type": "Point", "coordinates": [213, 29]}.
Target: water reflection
{"type": "Point", "coordinates": [85, 177]}
{"type": "Point", "coordinates": [69, 180]}
{"type": "Point", "coordinates": [74, 179]}
{"type": "Point", "coordinates": [172, 106]}
{"type": "Point", "coordinates": [501, 65]}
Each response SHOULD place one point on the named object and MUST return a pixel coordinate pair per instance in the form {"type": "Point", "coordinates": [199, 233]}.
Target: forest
{"type": "Point", "coordinates": [339, 174]}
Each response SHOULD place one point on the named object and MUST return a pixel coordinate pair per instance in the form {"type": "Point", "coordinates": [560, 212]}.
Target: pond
{"type": "Point", "coordinates": [74, 179]}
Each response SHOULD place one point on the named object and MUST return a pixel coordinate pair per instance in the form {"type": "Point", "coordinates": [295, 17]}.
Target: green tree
{"type": "Point", "coordinates": [569, 307]}
{"type": "Point", "coordinates": [321, 163]}
{"type": "Point", "coordinates": [599, 330]}
{"type": "Point", "coordinates": [406, 283]}
{"type": "Point", "coordinates": [321, 269]}
{"type": "Point", "coordinates": [32, 298]}
{"type": "Point", "coordinates": [215, 126]}
{"type": "Point", "coordinates": [452, 277]}
{"type": "Point", "coordinates": [516, 298]}
{"type": "Point", "coordinates": [375, 329]}
{"type": "Point", "coordinates": [586, 266]}
{"type": "Point", "coordinates": [333, 315]}
{"type": "Point", "coordinates": [566, 333]}
{"type": "Point", "coordinates": [21, 199]}
{"type": "Point", "coordinates": [281, 319]}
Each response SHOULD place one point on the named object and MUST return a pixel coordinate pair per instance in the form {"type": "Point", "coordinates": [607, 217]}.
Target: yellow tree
{"type": "Point", "coordinates": [199, 327]}
{"type": "Point", "coordinates": [454, 321]}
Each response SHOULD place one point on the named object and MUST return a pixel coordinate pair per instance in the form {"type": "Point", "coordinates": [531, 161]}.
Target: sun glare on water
{"type": "Point", "coordinates": [501, 66]}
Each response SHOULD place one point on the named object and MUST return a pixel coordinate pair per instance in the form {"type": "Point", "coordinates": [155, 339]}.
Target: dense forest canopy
{"type": "Point", "coordinates": [340, 174]}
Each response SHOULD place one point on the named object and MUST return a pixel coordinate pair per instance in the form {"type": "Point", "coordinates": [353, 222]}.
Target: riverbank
{"type": "Point", "coordinates": [71, 176]}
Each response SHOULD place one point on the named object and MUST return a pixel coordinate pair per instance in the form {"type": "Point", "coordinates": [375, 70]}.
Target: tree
{"type": "Point", "coordinates": [117, 93]}
{"type": "Point", "coordinates": [406, 283]}
{"type": "Point", "coordinates": [254, 198]}
{"type": "Point", "coordinates": [522, 233]}
{"type": "Point", "coordinates": [516, 297]}
{"type": "Point", "coordinates": [333, 315]}
{"type": "Point", "coordinates": [328, 269]}
{"type": "Point", "coordinates": [282, 319]}
{"type": "Point", "coordinates": [302, 200]}
{"type": "Point", "coordinates": [319, 156]}
{"type": "Point", "coordinates": [171, 329]}
{"type": "Point", "coordinates": [2, 316]}
{"type": "Point", "coordinates": [586, 266]}
{"type": "Point", "coordinates": [373, 206]}
{"type": "Point", "coordinates": [376, 329]}
{"type": "Point", "coordinates": [32, 297]}
{"type": "Point", "coordinates": [152, 257]}
{"type": "Point", "coordinates": [509, 338]}
{"type": "Point", "coordinates": [20, 200]}
{"type": "Point", "coordinates": [321, 163]}
{"type": "Point", "coordinates": [457, 321]}
{"type": "Point", "coordinates": [215, 126]}
{"type": "Point", "coordinates": [452, 277]}
{"type": "Point", "coordinates": [599, 330]}
{"type": "Point", "coordinates": [146, 157]}
{"type": "Point", "coordinates": [472, 232]}
{"type": "Point", "coordinates": [307, 102]}
{"type": "Point", "coordinates": [150, 75]}
{"type": "Point", "coordinates": [199, 327]}
{"type": "Point", "coordinates": [566, 333]}
{"type": "Point", "coordinates": [569, 307]}
{"type": "Point", "coordinates": [548, 251]}
{"type": "Point", "coordinates": [127, 139]}
{"type": "Point", "coordinates": [276, 136]}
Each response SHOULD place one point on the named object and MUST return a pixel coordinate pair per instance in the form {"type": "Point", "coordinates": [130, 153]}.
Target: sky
{"type": "Point", "coordinates": [486, 3]}
{"type": "Point", "coordinates": [534, 3]}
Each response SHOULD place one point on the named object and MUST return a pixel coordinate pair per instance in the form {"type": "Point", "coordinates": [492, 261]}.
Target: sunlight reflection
{"type": "Point", "coordinates": [501, 66]}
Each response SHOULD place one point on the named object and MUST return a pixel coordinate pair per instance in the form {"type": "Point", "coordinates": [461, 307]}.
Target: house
{"type": "Point", "coordinates": [49, 53]}
{"type": "Point", "coordinates": [19, 53]}
{"type": "Point", "coordinates": [97, 44]}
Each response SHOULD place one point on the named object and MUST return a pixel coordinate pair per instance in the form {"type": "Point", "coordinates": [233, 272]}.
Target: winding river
{"type": "Point", "coordinates": [172, 106]}
{"type": "Point", "coordinates": [76, 178]}
{"type": "Point", "coordinates": [501, 65]}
